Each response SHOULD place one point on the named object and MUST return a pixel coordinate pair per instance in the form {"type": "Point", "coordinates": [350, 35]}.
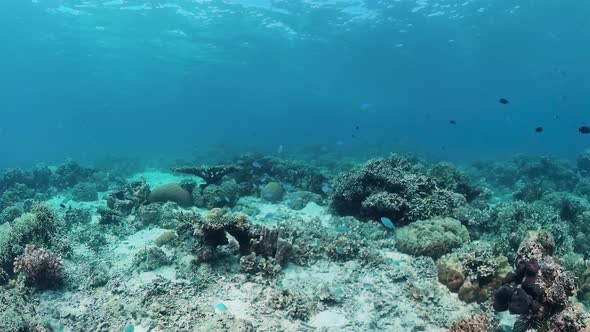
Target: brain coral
{"type": "Point", "coordinates": [171, 192]}
{"type": "Point", "coordinates": [433, 237]}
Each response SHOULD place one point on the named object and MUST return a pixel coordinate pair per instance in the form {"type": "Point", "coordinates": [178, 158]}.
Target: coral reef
{"type": "Point", "coordinates": [211, 174]}
{"type": "Point", "coordinates": [84, 192]}
{"type": "Point", "coordinates": [41, 228]}
{"type": "Point", "coordinates": [150, 258]}
{"type": "Point", "coordinates": [451, 253]}
{"type": "Point", "coordinates": [38, 267]}
{"type": "Point", "coordinates": [473, 271]}
{"type": "Point", "coordinates": [19, 312]}
{"type": "Point", "coordinates": [262, 249]}
{"type": "Point", "coordinates": [212, 195]}
{"type": "Point", "coordinates": [71, 173]}
{"type": "Point", "coordinates": [171, 192]}
{"type": "Point", "coordinates": [433, 237]}
{"type": "Point", "coordinates": [397, 189]}
{"type": "Point", "coordinates": [539, 289]}
{"type": "Point", "coordinates": [272, 192]}
{"type": "Point", "coordinates": [475, 323]}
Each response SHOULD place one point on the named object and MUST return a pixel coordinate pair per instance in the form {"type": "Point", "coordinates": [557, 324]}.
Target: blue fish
{"type": "Point", "coordinates": [227, 199]}
{"type": "Point", "coordinates": [365, 106]}
{"type": "Point", "coordinates": [326, 189]}
{"type": "Point", "coordinates": [212, 186]}
{"type": "Point", "coordinates": [387, 223]}
{"type": "Point", "coordinates": [342, 228]}
{"type": "Point", "coordinates": [314, 243]}
{"type": "Point", "coordinates": [340, 251]}
{"type": "Point", "coordinates": [256, 164]}
{"type": "Point", "coordinates": [220, 307]}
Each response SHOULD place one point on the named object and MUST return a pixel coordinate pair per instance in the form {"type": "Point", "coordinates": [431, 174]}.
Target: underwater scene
{"type": "Point", "coordinates": [294, 165]}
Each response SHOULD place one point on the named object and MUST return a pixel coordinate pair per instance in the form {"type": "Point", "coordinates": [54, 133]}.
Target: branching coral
{"type": "Point", "coordinates": [38, 267]}
{"type": "Point", "coordinates": [211, 174]}
{"type": "Point", "coordinates": [475, 323]}
{"type": "Point", "coordinates": [397, 189]}
{"type": "Point", "coordinates": [40, 227]}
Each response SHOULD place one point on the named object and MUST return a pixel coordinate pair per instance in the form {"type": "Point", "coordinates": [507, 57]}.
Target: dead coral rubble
{"type": "Point", "coordinates": [262, 249]}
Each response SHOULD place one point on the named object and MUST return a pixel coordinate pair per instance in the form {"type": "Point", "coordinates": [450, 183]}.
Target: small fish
{"type": "Point", "coordinates": [314, 243]}
{"type": "Point", "coordinates": [353, 136]}
{"type": "Point", "coordinates": [365, 106]}
{"type": "Point", "coordinates": [280, 149]}
{"type": "Point", "coordinates": [342, 228]}
{"type": "Point", "coordinates": [556, 117]}
{"type": "Point", "coordinates": [452, 122]}
{"type": "Point", "coordinates": [326, 188]}
{"type": "Point", "coordinates": [63, 206]}
{"type": "Point", "coordinates": [227, 199]}
{"type": "Point", "coordinates": [212, 186]}
{"type": "Point", "coordinates": [357, 127]}
{"type": "Point", "coordinates": [340, 250]}
{"type": "Point", "coordinates": [387, 223]}
{"type": "Point", "coordinates": [584, 130]}
{"type": "Point", "coordinates": [256, 164]}
{"type": "Point", "coordinates": [220, 308]}
{"type": "Point", "coordinates": [539, 130]}
{"type": "Point", "coordinates": [503, 101]}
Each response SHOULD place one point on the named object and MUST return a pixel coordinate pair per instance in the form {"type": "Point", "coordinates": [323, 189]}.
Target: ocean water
{"type": "Point", "coordinates": [157, 78]}
{"type": "Point", "coordinates": [294, 165]}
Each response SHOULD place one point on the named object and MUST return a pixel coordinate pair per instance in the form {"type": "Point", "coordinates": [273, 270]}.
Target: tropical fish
{"type": "Point", "coordinates": [387, 223]}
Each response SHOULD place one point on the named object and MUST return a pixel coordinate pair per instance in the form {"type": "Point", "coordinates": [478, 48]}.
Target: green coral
{"type": "Point", "coordinates": [18, 313]}
{"type": "Point", "coordinates": [41, 227]}
{"type": "Point", "coordinates": [433, 237]}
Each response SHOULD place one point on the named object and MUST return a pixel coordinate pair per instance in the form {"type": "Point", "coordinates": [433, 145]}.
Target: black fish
{"type": "Point", "coordinates": [63, 206]}
{"type": "Point", "coordinates": [357, 127]}
{"type": "Point", "coordinates": [584, 130]}
{"type": "Point", "coordinates": [539, 129]}
{"type": "Point", "coordinates": [453, 122]}
{"type": "Point", "coordinates": [503, 101]}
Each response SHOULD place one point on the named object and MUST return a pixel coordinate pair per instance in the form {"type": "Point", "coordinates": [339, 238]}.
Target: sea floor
{"type": "Point", "coordinates": [401, 294]}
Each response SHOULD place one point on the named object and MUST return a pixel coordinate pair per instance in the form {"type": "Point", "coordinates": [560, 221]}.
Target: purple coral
{"type": "Point", "coordinates": [38, 266]}
{"type": "Point", "coordinates": [539, 289]}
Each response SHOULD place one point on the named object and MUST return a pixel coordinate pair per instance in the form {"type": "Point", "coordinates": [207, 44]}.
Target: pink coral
{"type": "Point", "coordinates": [38, 266]}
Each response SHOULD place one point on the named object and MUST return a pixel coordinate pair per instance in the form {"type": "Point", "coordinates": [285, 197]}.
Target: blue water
{"type": "Point", "coordinates": [169, 79]}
